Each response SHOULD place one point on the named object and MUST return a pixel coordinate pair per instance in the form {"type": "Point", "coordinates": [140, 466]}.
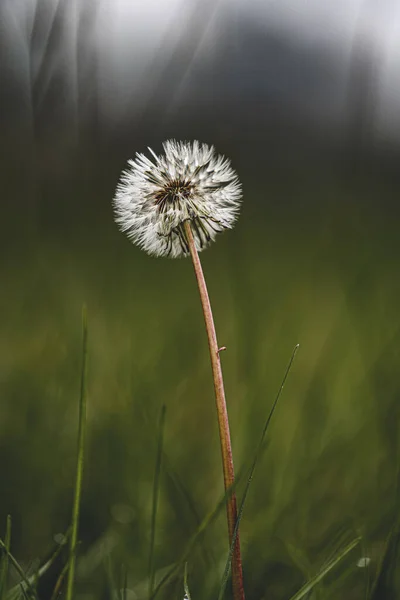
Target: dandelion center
{"type": "Point", "coordinates": [173, 192]}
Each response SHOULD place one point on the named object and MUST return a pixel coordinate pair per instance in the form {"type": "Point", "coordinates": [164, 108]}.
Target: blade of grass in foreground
{"type": "Point", "coordinates": [384, 564]}
{"type": "Point", "coordinates": [257, 455]}
{"type": "Point", "coordinates": [208, 519]}
{"type": "Point", "coordinates": [79, 464]}
{"type": "Point", "coordinates": [23, 592]}
{"type": "Point", "coordinates": [19, 570]}
{"type": "Point", "coordinates": [156, 490]}
{"type": "Point", "coordinates": [28, 584]}
{"type": "Point", "coordinates": [4, 559]}
{"type": "Point", "coordinates": [174, 480]}
{"type": "Point", "coordinates": [330, 565]}
{"type": "Point", "coordinates": [205, 523]}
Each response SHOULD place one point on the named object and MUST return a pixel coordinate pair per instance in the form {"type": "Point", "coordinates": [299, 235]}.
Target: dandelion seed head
{"type": "Point", "coordinates": [189, 182]}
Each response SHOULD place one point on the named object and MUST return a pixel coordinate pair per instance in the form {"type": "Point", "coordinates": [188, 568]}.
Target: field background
{"type": "Point", "coordinates": [314, 259]}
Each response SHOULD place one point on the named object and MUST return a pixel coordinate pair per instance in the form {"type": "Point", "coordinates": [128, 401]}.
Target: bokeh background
{"type": "Point", "coordinates": [304, 98]}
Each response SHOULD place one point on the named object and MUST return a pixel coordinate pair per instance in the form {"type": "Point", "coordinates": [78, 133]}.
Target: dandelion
{"type": "Point", "coordinates": [189, 183]}
{"type": "Point", "coordinates": [174, 205]}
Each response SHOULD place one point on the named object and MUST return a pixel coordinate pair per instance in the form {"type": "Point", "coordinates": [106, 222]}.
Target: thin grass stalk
{"type": "Point", "coordinates": [382, 563]}
{"type": "Point", "coordinates": [36, 579]}
{"type": "Point", "coordinates": [24, 592]}
{"type": "Point", "coordinates": [222, 414]}
{"type": "Point", "coordinates": [79, 464]}
{"type": "Point", "coordinates": [60, 580]}
{"type": "Point", "coordinates": [173, 476]}
{"type": "Point", "coordinates": [196, 537]}
{"type": "Point", "coordinates": [251, 474]}
{"type": "Point", "coordinates": [4, 559]}
{"type": "Point", "coordinates": [306, 589]}
{"type": "Point", "coordinates": [19, 570]}
{"type": "Point", "coordinates": [206, 522]}
{"type": "Point", "coordinates": [156, 490]}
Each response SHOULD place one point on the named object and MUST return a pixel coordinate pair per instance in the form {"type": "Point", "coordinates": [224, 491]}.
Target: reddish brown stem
{"type": "Point", "coordinates": [222, 414]}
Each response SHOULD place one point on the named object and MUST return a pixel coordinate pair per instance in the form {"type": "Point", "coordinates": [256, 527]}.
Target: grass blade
{"type": "Point", "coordinates": [59, 582]}
{"type": "Point", "coordinates": [329, 566]}
{"type": "Point", "coordinates": [29, 583]}
{"type": "Point", "coordinates": [156, 490]}
{"type": "Point", "coordinates": [23, 591]}
{"type": "Point", "coordinates": [212, 515]}
{"type": "Point", "coordinates": [19, 570]}
{"type": "Point", "coordinates": [257, 455]}
{"type": "Point", "coordinates": [386, 563]}
{"type": "Point", "coordinates": [4, 559]}
{"type": "Point", "coordinates": [79, 464]}
{"type": "Point", "coordinates": [205, 523]}
{"type": "Point", "coordinates": [174, 481]}
{"type": "Point", "coordinates": [208, 519]}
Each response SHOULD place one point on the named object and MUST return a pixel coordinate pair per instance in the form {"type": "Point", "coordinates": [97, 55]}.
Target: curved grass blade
{"type": "Point", "coordinates": [156, 491]}
{"type": "Point", "coordinates": [329, 566]}
{"type": "Point", "coordinates": [257, 455]}
{"type": "Point", "coordinates": [4, 559]}
{"type": "Point", "coordinates": [79, 464]}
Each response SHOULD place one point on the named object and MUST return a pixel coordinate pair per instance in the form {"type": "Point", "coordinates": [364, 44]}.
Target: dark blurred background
{"type": "Point", "coordinates": [303, 97]}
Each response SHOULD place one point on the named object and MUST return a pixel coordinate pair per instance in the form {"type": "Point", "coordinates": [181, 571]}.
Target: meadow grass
{"type": "Point", "coordinates": [26, 587]}
{"type": "Point", "coordinates": [327, 473]}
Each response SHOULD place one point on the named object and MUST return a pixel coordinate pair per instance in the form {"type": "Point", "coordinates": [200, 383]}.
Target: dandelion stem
{"type": "Point", "coordinates": [222, 414]}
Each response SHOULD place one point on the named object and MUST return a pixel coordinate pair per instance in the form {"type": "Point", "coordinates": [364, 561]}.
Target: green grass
{"type": "Point", "coordinates": [331, 459]}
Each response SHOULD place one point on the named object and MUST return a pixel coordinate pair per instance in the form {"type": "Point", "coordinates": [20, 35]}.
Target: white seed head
{"type": "Point", "coordinates": [189, 182]}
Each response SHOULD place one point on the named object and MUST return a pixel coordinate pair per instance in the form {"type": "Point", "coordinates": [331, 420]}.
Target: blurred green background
{"type": "Point", "coordinates": [322, 272]}
{"type": "Point", "coordinates": [314, 259]}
